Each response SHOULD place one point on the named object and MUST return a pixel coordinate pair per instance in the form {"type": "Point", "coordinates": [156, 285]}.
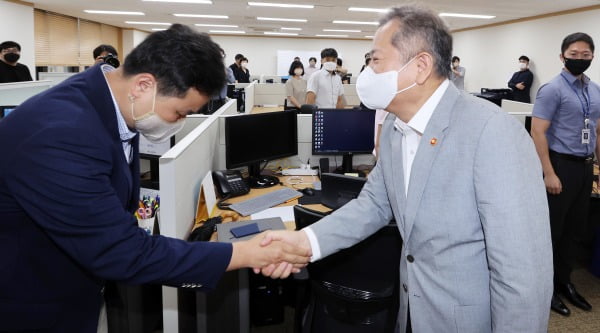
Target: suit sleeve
{"type": "Point", "coordinates": [357, 219]}
{"type": "Point", "coordinates": [529, 79]}
{"type": "Point", "coordinates": [61, 178]}
{"type": "Point", "coordinates": [512, 204]}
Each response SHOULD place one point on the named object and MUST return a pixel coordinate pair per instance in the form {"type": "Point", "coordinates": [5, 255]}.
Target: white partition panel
{"type": "Point", "coordinates": [18, 92]}
{"type": "Point", "coordinates": [249, 93]}
{"type": "Point", "coordinates": [518, 109]}
{"type": "Point", "coordinates": [266, 94]}
{"type": "Point", "coordinates": [54, 77]}
{"type": "Point", "coordinates": [181, 171]}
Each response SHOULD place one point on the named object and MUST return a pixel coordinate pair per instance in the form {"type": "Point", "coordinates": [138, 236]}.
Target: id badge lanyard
{"type": "Point", "coordinates": [585, 107]}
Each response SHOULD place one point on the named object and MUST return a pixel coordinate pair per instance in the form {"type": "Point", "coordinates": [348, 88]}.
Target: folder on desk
{"type": "Point", "coordinates": [224, 233]}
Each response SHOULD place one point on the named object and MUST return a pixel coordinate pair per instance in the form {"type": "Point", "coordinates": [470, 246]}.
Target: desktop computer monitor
{"type": "Point", "coordinates": [343, 132]}
{"type": "Point", "coordinates": [5, 110]}
{"type": "Point", "coordinates": [254, 138]}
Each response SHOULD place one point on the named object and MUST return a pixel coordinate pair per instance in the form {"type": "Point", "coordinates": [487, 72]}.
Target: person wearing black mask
{"type": "Point", "coordinates": [520, 82]}
{"type": "Point", "coordinates": [565, 129]}
{"type": "Point", "coordinates": [10, 69]}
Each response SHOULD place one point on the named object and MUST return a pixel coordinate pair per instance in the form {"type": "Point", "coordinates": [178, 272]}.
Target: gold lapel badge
{"type": "Point", "coordinates": [433, 141]}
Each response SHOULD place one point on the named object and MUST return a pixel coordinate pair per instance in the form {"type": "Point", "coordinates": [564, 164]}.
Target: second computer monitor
{"type": "Point", "coordinates": [254, 138]}
{"type": "Point", "coordinates": [343, 132]}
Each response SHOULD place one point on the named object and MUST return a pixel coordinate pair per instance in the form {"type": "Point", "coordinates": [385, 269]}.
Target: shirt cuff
{"type": "Point", "coordinates": [314, 244]}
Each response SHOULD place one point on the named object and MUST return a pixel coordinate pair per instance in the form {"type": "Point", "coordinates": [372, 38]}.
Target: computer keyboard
{"type": "Point", "coordinates": [265, 201]}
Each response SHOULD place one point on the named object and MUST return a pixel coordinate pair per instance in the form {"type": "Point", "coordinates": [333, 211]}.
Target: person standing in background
{"type": "Point", "coordinates": [104, 52]}
{"type": "Point", "coordinates": [565, 129]}
{"type": "Point", "coordinates": [312, 67]}
{"type": "Point", "coordinates": [244, 73]}
{"type": "Point", "coordinates": [295, 86]}
{"type": "Point", "coordinates": [520, 82]}
{"type": "Point", "coordinates": [236, 67]}
{"type": "Point", "coordinates": [324, 87]}
{"type": "Point", "coordinates": [10, 68]}
{"type": "Point", "coordinates": [457, 76]}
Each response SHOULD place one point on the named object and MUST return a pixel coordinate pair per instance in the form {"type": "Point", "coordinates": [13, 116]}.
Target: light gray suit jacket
{"type": "Point", "coordinates": [475, 220]}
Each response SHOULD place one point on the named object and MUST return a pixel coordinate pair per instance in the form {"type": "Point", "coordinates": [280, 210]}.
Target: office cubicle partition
{"type": "Point", "coordinates": [18, 92]}
{"type": "Point", "coordinates": [55, 77]}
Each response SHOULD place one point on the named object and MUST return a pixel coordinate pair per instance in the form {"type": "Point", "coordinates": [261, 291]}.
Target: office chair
{"type": "Point", "coordinates": [307, 108]}
{"type": "Point", "coordinates": [356, 289]}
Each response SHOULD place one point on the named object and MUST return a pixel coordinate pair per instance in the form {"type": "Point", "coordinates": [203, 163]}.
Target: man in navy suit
{"type": "Point", "coordinates": [69, 183]}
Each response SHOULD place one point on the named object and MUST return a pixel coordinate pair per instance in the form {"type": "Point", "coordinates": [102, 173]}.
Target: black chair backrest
{"type": "Point", "coordinates": [307, 108]}
{"type": "Point", "coordinates": [305, 216]}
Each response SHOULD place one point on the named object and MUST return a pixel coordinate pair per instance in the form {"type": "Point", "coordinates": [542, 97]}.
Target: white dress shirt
{"type": "Point", "coordinates": [124, 132]}
{"type": "Point", "coordinates": [327, 88]}
{"type": "Point", "coordinates": [412, 133]}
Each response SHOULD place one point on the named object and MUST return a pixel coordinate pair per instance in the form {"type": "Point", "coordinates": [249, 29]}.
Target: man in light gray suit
{"type": "Point", "coordinates": [464, 183]}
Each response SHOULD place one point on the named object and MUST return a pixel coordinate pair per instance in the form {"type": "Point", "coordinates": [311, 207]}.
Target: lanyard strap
{"type": "Point", "coordinates": [586, 111]}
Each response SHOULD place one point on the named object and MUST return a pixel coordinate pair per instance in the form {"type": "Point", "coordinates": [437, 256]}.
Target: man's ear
{"type": "Point", "coordinates": [141, 84]}
{"type": "Point", "coordinates": [425, 66]}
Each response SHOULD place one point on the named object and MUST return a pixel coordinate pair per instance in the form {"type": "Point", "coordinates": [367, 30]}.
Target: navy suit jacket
{"type": "Point", "coordinates": [66, 226]}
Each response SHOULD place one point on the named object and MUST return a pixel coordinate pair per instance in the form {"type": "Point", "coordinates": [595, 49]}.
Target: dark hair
{"type": "Point", "coordinates": [245, 59]}
{"type": "Point", "coordinates": [294, 65]}
{"type": "Point", "coordinates": [239, 56]}
{"type": "Point", "coordinates": [574, 38]}
{"type": "Point", "coordinates": [367, 61]}
{"type": "Point", "coordinates": [328, 53]}
{"type": "Point", "coordinates": [339, 61]}
{"type": "Point", "coordinates": [421, 30]}
{"type": "Point", "coordinates": [104, 48]}
{"type": "Point", "coordinates": [179, 58]}
{"type": "Point", "coordinates": [524, 57]}
{"type": "Point", "coordinates": [455, 58]}
{"type": "Point", "coordinates": [10, 44]}
{"type": "Point", "coordinates": [312, 58]}
{"type": "Point", "coordinates": [368, 55]}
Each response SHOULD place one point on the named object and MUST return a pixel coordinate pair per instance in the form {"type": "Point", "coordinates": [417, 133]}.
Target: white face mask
{"type": "Point", "coordinates": [244, 64]}
{"type": "Point", "coordinates": [152, 126]}
{"type": "Point", "coordinates": [329, 66]}
{"type": "Point", "coordinates": [522, 65]}
{"type": "Point", "coordinates": [377, 91]}
{"type": "Point", "coordinates": [298, 71]}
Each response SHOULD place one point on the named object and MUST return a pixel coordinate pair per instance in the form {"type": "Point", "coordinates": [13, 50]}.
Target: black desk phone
{"type": "Point", "coordinates": [230, 183]}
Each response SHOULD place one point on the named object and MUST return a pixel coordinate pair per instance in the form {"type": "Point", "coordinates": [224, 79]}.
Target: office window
{"type": "Point", "coordinates": [62, 40]}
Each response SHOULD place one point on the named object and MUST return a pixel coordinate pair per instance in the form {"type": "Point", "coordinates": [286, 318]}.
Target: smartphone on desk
{"type": "Point", "coordinates": [229, 183]}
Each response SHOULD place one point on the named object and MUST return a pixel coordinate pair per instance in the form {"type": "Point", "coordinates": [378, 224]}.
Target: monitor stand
{"type": "Point", "coordinates": [347, 166]}
{"type": "Point", "coordinates": [256, 180]}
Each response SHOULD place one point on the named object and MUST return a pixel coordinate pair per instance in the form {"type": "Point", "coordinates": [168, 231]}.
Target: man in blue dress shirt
{"type": "Point", "coordinates": [565, 131]}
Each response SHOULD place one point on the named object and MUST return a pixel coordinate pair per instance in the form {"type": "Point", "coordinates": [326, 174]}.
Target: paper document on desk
{"type": "Point", "coordinates": [286, 213]}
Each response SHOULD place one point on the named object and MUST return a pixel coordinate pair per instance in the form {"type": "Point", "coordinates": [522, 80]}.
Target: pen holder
{"type": "Point", "coordinates": [147, 225]}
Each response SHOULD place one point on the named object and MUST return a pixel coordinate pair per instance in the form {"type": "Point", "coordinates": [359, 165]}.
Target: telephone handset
{"type": "Point", "coordinates": [230, 183]}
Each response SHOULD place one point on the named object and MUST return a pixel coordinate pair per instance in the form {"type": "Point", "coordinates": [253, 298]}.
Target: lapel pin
{"type": "Point", "coordinates": [433, 141]}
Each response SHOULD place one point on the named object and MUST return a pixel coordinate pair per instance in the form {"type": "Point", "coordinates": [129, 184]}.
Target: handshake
{"type": "Point", "coordinates": [276, 254]}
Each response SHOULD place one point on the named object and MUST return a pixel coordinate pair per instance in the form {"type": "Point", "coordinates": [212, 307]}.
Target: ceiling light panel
{"type": "Point", "coordinates": [292, 29]}
{"type": "Point", "coordinates": [356, 22]}
{"type": "Point", "coordinates": [340, 30]}
{"type": "Point", "coordinates": [280, 5]}
{"type": "Point", "coordinates": [111, 12]}
{"type": "Point", "coordinates": [368, 10]}
{"type": "Point", "coordinates": [147, 23]}
{"type": "Point", "coordinates": [331, 35]}
{"type": "Point", "coordinates": [227, 31]}
{"type": "Point", "coordinates": [280, 19]}
{"type": "Point", "coordinates": [202, 16]}
{"type": "Point", "coordinates": [272, 33]}
{"type": "Point", "coordinates": [216, 25]}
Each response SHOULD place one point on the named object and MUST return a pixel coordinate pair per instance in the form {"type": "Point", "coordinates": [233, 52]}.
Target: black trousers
{"type": "Point", "coordinates": [568, 211]}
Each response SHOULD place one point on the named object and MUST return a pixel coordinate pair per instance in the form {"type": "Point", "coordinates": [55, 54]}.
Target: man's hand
{"type": "Point", "coordinates": [260, 252]}
{"type": "Point", "coordinates": [553, 184]}
{"type": "Point", "coordinates": [284, 269]}
{"type": "Point", "coordinates": [520, 85]}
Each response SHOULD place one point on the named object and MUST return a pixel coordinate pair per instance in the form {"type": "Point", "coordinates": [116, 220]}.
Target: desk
{"type": "Point", "coordinates": [263, 109]}
{"type": "Point", "coordinates": [212, 312]}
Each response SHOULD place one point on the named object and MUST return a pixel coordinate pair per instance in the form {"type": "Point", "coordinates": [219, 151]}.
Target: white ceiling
{"type": "Point", "coordinates": [319, 18]}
